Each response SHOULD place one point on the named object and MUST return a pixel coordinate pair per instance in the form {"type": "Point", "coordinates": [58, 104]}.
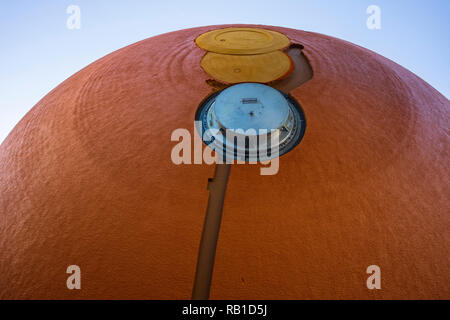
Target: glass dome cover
{"type": "Point", "coordinates": [250, 122]}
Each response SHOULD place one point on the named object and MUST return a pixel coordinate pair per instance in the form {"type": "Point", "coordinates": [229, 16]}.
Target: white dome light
{"type": "Point", "coordinates": [251, 122]}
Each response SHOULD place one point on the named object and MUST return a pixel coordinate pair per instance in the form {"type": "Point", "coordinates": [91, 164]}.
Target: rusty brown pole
{"type": "Point", "coordinates": [205, 264]}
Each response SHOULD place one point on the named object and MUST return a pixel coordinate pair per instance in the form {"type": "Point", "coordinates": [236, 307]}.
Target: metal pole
{"type": "Point", "coordinates": [207, 251]}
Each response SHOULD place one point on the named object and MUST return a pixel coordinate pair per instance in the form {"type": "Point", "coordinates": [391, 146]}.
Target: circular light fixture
{"type": "Point", "coordinates": [250, 122]}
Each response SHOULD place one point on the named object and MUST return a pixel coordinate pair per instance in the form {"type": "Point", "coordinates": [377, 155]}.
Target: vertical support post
{"type": "Point", "coordinates": [211, 227]}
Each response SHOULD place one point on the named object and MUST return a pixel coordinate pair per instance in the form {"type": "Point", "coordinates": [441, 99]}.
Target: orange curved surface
{"type": "Point", "coordinates": [87, 179]}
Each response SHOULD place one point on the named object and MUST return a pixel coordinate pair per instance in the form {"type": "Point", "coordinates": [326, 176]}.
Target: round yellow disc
{"type": "Point", "coordinates": [247, 68]}
{"type": "Point", "coordinates": [242, 41]}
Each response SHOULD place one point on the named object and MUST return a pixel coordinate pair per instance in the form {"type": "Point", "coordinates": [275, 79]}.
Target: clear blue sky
{"type": "Point", "coordinates": [38, 51]}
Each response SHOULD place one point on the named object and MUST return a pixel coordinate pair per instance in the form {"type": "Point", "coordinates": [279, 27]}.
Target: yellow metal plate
{"type": "Point", "coordinates": [242, 41]}
{"type": "Point", "coordinates": [247, 68]}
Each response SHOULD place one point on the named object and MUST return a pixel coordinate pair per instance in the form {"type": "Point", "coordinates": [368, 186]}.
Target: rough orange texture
{"type": "Point", "coordinates": [86, 178]}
